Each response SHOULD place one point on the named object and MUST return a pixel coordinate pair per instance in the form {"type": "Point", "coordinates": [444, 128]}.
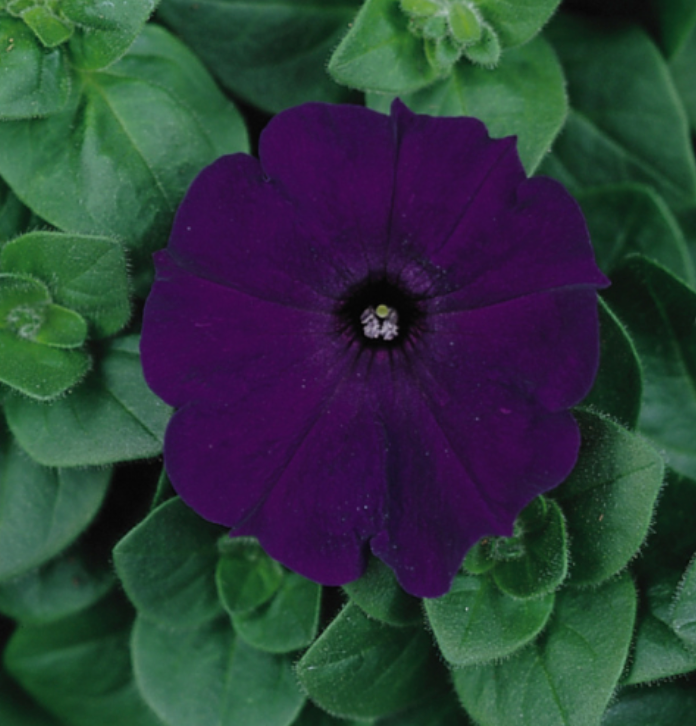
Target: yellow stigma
{"type": "Point", "coordinates": [381, 311]}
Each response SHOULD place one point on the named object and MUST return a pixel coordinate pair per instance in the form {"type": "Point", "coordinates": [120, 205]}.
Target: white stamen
{"type": "Point", "coordinates": [380, 323]}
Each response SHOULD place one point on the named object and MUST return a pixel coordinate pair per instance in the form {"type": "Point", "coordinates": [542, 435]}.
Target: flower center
{"type": "Point", "coordinates": [378, 313]}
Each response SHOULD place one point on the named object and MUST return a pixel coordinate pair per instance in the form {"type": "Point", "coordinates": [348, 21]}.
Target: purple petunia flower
{"type": "Point", "coordinates": [372, 337]}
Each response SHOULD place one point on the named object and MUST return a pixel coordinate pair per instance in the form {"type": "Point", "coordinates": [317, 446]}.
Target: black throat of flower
{"type": "Point", "coordinates": [379, 314]}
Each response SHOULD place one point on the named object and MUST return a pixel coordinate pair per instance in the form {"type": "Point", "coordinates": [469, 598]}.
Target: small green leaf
{"type": "Point", "coordinates": [618, 387]}
{"type": "Point", "coordinates": [288, 622]}
{"type": "Point", "coordinates": [475, 622]}
{"type": "Point", "coordinates": [104, 30]}
{"type": "Point", "coordinates": [631, 218]}
{"type": "Point", "coordinates": [208, 677]}
{"type": "Point", "coordinates": [486, 51]}
{"type": "Point", "coordinates": [86, 274]}
{"type": "Point", "coordinates": [666, 704]}
{"type": "Point", "coordinates": [167, 566]}
{"type": "Point", "coordinates": [616, 117]}
{"type": "Point", "coordinates": [361, 668]}
{"type": "Point", "coordinates": [380, 54]}
{"type": "Point", "coordinates": [516, 22]}
{"type": "Point", "coordinates": [464, 23]}
{"type": "Point", "coordinates": [118, 159]}
{"type": "Point", "coordinates": [79, 668]}
{"type": "Point", "coordinates": [566, 676]}
{"type": "Point", "coordinates": [381, 597]}
{"type": "Point", "coordinates": [246, 576]}
{"type": "Point", "coordinates": [48, 28]}
{"type": "Point", "coordinates": [35, 80]}
{"type": "Point", "coordinates": [525, 96]}
{"type": "Point", "coordinates": [272, 53]}
{"type": "Point", "coordinates": [542, 564]}
{"type": "Point", "coordinates": [63, 586]}
{"type": "Point", "coordinates": [683, 610]}
{"type": "Point", "coordinates": [42, 510]}
{"type": "Point", "coordinates": [608, 499]}
{"type": "Point", "coordinates": [111, 416]}
{"type": "Point", "coordinates": [659, 310]}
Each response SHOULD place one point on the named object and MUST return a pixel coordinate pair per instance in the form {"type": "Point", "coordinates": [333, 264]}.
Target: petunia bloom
{"type": "Point", "coordinates": [372, 336]}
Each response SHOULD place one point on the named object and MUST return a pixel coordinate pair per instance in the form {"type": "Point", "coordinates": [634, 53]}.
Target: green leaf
{"type": "Point", "coordinates": [246, 576]}
{"type": "Point", "coordinates": [608, 499]}
{"type": "Point", "coordinates": [381, 597]}
{"type": "Point", "coordinates": [441, 710]}
{"type": "Point", "coordinates": [659, 311]}
{"type": "Point", "coordinates": [616, 117]}
{"type": "Point", "coordinates": [567, 675]}
{"type": "Point", "coordinates": [79, 668]}
{"type": "Point", "coordinates": [65, 585]}
{"type": "Point", "coordinates": [42, 510]}
{"type": "Point", "coordinates": [111, 416]}
{"type": "Point", "coordinates": [475, 622]}
{"type": "Point", "coordinates": [524, 96]}
{"type": "Point", "coordinates": [380, 54]}
{"type": "Point", "coordinates": [683, 615]}
{"type": "Point", "coordinates": [618, 387]}
{"type": "Point", "coordinates": [681, 67]}
{"type": "Point", "coordinates": [167, 566]}
{"type": "Point", "coordinates": [85, 274]}
{"type": "Point", "coordinates": [17, 709]}
{"type": "Point", "coordinates": [361, 668]}
{"type": "Point", "coordinates": [35, 80]}
{"type": "Point", "coordinates": [542, 563]}
{"type": "Point", "coordinates": [629, 219]}
{"type": "Point", "coordinates": [119, 158]}
{"type": "Point", "coordinates": [664, 705]}
{"type": "Point", "coordinates": [272, 53]}
{"type": "Point", "coordinates": [50, 29]}
{"type": "Point", "coordinates": [288, 622]}
{"type": "Point", "coordinates": [516, 21]}
{"type": "Point", "coordinates": [208, 677]}
{"type": "Point", "coordinates": [33, 333]}
{"type": "Point", "coordinates": [104, 30]}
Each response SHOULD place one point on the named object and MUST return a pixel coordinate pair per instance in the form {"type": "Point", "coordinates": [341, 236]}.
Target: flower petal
{"type": "Point", "coordinates": [476, 225]}
{"type": "Point", "coordinates": [205, 341]}
{"type": "Point", "coordinates": [336, 164]}
{"type": "Point", "coordinates": [237, 228]}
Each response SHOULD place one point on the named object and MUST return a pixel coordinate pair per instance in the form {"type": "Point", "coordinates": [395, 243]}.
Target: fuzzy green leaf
{"type": "Point", "coordinates": [35, 80]}
{"type": "Point", "coordinates": [288, 622]}
{"type": "Point", "coordinates": [272, 53]}
{"type": "Point", "coordinates": [42, 510]}
{"type": "Point", "coordinates": [608, 499]}
{"type": "Point", "coordinates": [475, 622]}
{"type": "Point", "coordinates": [525, 96]}
{"type": "Point", "coordinates": [361, 668]}
{"type": "Point", "coordinates": [208, 677]}
{"type": "Point", "coordinates": [570, 672]}
{"type": "Point", "coordinates": [381, 597]}
{"type": "Point", "coordinates": [167, 566]}
{"type": "Point", "coordinates": [616, 117]}
{"type": "Point", "coordinates": [85, 274]}
{"type": "Point", "coordinates": [111, 416]}
{"type": "Point", "coordinates": [516, 21]}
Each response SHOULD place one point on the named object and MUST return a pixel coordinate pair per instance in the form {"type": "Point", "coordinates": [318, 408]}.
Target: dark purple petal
{"type": "Point", "coordinates": [447, 491]}
{"type": "Point", "coordinates": [193, 348]}
{"type": "Point", "coordinates": [483, 231]}
{"type": "Point", "coordinates": [304, 475]}
{"type": "Point", "coordinates": [336, 165]}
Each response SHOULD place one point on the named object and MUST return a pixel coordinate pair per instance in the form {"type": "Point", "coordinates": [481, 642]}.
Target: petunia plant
{"type": "Point", "coordinates": [347, 363]}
